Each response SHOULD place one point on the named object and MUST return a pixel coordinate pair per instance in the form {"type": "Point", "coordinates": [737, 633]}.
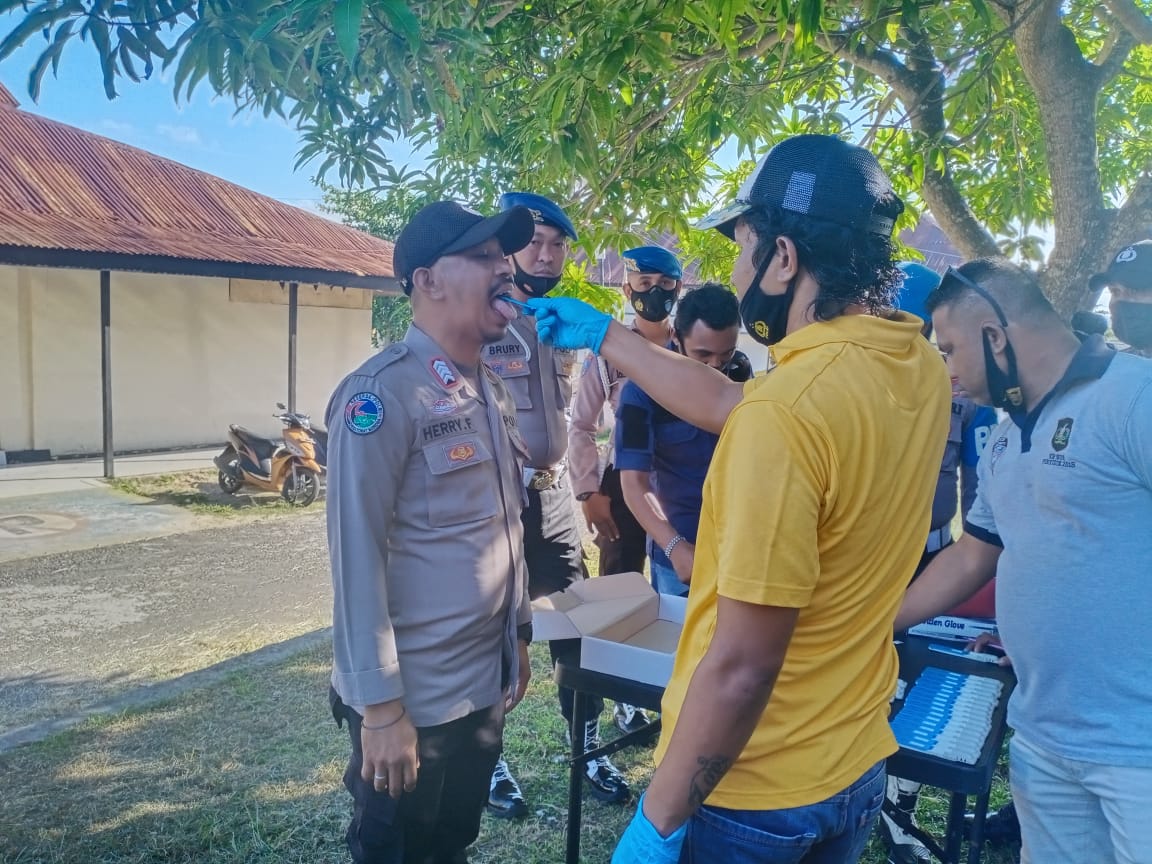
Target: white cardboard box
{"type": "Point", "coordinates": [950, 627]}
{"type": "Point", "coordinates": [626, 629]}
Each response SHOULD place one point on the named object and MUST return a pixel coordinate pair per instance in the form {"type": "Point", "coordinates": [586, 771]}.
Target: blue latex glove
{"type": "Point", "coordinates": [641, 843]}
{"type": "Point", "coordinates": [569, 323]}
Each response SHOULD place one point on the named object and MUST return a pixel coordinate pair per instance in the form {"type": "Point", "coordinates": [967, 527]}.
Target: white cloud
{"type": "Point", "coordinates": [179, 134]}
{"type": "Point", "coordinates": [115, 127]}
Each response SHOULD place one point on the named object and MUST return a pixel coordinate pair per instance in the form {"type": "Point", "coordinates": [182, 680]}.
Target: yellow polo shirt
{"type": "Point", "coordinates": [818, 499]}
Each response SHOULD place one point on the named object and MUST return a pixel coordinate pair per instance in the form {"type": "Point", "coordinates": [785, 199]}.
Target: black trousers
{"type": "Point", "coordinates": [627, 554]}
{"type": "Point", "coordinates": [437, 821]}
{"type": "Point", "coordinates": [552, 554]}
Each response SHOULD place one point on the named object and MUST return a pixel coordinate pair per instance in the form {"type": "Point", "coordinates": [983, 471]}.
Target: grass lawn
{"type": "Point", "coordinates": [249, 771]}
{"type": "Point", "coordinates": [199, 492]}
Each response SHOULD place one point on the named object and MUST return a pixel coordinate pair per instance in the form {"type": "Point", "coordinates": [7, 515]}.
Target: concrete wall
{"type": "Point", "coordinates": [186, 359]}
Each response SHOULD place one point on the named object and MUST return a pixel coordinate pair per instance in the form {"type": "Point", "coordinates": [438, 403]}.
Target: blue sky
{"type": "Point", "coordinates": [249, 149]}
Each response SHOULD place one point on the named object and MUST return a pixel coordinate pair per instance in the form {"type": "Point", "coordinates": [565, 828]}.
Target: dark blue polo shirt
{"type": "Point", "coordinates": [676, 453]}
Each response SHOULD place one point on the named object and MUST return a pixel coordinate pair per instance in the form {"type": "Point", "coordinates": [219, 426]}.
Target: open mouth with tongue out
{"type": "Point", "coordinates": [504, 303]}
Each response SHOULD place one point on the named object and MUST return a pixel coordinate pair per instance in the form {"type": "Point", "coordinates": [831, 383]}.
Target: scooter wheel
{"type": "Point", "coordinates": [301, 487]}
{"type": "Point", "coordinates": [230, 480]}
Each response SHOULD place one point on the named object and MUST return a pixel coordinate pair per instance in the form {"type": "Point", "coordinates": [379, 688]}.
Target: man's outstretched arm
{"type": "Point", "coordinates": [690, 390]}
{"type": "Point", "coordinates": [953, 576]}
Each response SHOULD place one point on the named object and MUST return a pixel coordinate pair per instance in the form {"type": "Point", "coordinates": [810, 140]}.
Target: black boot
{"type": "Point", "coordinates": [605, 782]}
{"type": "Point", "coordinates": [505, 800]}
{"type": "Point", "coordinates": [1001, 827]}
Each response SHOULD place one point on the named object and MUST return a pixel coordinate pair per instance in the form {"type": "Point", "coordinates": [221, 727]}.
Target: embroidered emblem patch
{"type": "Point", "coordinates": [442, 407]}
{"type": "Point", "coordinates": [1062, 434]}
{"type": "Point", "coordinates": [462, 452]}
{"type": "Point", "coordinates": [364, 413]}
{"type": "Point", "coordinates": [997, 451]}
{"type": "Point", "coordinates": [1125, 255]}
{"type": "Point", "coordinates": [515, 365]}
{"type": "Point", "coordinates": [443, 372]}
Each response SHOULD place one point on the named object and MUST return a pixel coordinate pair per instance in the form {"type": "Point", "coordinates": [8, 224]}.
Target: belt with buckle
{"type": "Point", "coordinates": [938, 539]}
{"type": "Point", "coordinates": [539, 479]}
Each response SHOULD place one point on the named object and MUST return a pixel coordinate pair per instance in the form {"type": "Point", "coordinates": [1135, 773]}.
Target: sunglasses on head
{"type": "Point", "coordinates": [954, 274]}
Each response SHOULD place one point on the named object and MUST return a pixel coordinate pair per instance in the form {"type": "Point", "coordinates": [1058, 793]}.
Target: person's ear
{"type": "Point", "coordinates": [787, 259]}
{"type": "Point", "coordinates": [424, 281]}
{"type": "Point", "coordinates": [995, 335]}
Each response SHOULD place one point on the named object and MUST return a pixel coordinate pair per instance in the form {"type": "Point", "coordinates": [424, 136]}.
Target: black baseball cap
{"type": "Point", "coordinates": [1131, 267]}
{"type": "Point", "coordinates": [819, 176]}
{"type": "Point", "coordinates": [447, 227]}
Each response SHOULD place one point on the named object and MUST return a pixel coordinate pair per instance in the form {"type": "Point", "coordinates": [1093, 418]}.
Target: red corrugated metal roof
{"type": "Point", "coordinates": [64, 188]}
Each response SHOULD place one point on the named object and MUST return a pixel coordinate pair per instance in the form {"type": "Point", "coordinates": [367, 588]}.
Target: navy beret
{"type": "Point", "coordinates": [652, 259]}
{"type": "Point", "coordinates": [544, 211]}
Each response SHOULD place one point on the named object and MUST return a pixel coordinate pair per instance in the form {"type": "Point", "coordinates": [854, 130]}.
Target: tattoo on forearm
{"type": "Point", "coordinates": [712, 769]}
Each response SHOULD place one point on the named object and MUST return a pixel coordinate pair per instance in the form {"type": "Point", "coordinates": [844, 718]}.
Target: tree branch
{"type": "Point", "coordinates": [1131, 19]}
{"type": "Point", "coordinates": [505, 10]}
{"type": "Point", "coordinates": [626, 148]}
{"type": "Point", "coordinates": [692, 62]}
{"type": "Point", "coordinates": [921, 93]}
{"type": "Point", "coordinates": [1113, 55]}
{"type": "Point", "coordinates": [1130, 222]}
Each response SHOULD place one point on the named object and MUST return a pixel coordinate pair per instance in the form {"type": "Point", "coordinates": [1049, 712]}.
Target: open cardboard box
{"type": "Point", "coordinates": [626, 629]}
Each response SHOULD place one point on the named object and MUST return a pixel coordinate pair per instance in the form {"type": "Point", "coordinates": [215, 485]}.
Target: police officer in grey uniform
{"type": "Point", "coordinates": [540, 379]}
{"type": "Point", "coordinates": [431, 618]}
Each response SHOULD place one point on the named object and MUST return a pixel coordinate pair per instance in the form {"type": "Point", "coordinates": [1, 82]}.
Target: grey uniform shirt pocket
{"type": "Point", "coordinates": [566, 368]}
{"type": "Point", "coordinates": [514, 374]}
{"type": "Point", "coordinates": [461, 480]}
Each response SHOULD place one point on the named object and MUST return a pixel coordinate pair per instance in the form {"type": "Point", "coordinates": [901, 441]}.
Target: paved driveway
{"type": "Point", "coordinates": [89, 628]}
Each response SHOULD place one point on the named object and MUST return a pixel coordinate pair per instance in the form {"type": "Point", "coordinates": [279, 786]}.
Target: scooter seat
{"type": "Point", "coordinates": [263, 447]}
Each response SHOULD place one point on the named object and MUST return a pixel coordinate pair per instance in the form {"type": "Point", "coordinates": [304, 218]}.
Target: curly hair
{"type": "Point", "coordinates": [851, 266]}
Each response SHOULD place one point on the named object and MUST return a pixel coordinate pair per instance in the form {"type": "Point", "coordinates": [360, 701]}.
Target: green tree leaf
{"type": "Point", "coordinates": [346, 17]}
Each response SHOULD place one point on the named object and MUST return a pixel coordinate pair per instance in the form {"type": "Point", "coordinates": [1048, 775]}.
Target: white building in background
{"type": "Point", "coordinates": [203, 283]}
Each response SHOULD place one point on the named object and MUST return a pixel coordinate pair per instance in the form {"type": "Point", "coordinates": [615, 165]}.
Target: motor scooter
{"type": "Point", "coordinates": [292, 466]}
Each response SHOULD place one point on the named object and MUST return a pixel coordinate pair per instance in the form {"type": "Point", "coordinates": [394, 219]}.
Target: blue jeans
{"type": "Point", "coordinates": [833, 831]}
{"type": "Point", "coordinates": [665, 580]}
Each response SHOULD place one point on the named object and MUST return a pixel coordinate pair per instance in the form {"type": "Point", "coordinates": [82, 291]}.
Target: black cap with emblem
{"type": "Point", "coordinates": [818, 176]}
{"type": "Point", "coordinates": [1131, 267]}
{"type": "Point", "coordinates": [448, 227]}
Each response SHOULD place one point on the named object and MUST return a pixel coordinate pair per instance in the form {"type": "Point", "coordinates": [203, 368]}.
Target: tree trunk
{"type": "Point", "coordinates": [1066, 87]}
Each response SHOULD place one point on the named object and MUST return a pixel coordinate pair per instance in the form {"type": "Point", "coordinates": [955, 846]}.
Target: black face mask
{"type": "Point", "coordinates": [739, 368]}
{"type": "Point", "coordinates": [765, 316]}
{"type": "Point", "coordinates": [1132, 323]}
{"type": "Point", "coordinates": [534, 286]}
{"type": "Point", "coordinates": [1003, 386]}
{"type": "Point", "coordinates": [655, 304]}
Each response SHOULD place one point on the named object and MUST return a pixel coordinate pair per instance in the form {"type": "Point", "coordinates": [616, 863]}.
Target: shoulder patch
{"type": "Point", "coordinates": [364, 413]}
